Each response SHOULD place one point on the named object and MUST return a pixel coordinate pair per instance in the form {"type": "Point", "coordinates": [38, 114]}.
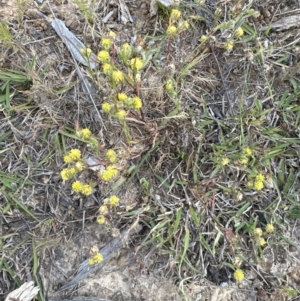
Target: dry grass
{"type": "Point", "coordinates": [199, 214]}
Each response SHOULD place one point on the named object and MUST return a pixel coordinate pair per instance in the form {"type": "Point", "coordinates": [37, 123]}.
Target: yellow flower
{"type": "Point", "coordinates": [126, 49]}
{"type": "Point", "coordinates": [260, 177]}
{"type": "Point", "coordinates": [258, 185]}
{"type": "Point", "coordinates": [107, 68]}
{"type": "Point", "coordinates": [229, 45]}
{"type": "Point", "coordinates": [75, 154]}
{"type": "Point", "coordinates": [103, 56]}
{"type": "Point", "coordinates": [67, 159]}
{"type": "Point", "coordinates": [106, 43]}
{"type": "Point", "coordinates": [109, 173]}
{"type": "Point", "coordinates": [121, 114]}
{"type": "Point", "coordinates": [244, 160]}
{"type": "Point", "coordinates": [86, 52]}
{"type": "Point", "coordinates": [113, 200]}
{"type": "Point", "coordinates": [137, 103]}
{"type": "Point", "coordinates": [106, 107]}
{"type": "Point", "coordinates": [111, 155]}
{"type": "Point", "coordinates": [239, 275]}
{"type": "Point", "coordinates": [77, 186]}
{"type": "Point", "coordinates": [103, 209]}
{"type": "Point", "coordinates": [269, 228]}
{"type": "Point", "coordinates": [87, 189]}
{"type": "Point", "coordinates": [186, 25]}
{"type": "Point", "coordinates": [101, 219]}
{"type": "Point", "coordinates": [248, 151]}
{"type": "Point", "coordinates": [250, 184]}
{"type": "Point", "coordinates": [111, 34]}
{"type": "Point", "coordinates": [258, 232]}
{"type": "Point", "coordinates": [175, 14]}
{"type": "Point", "coordinates": [169, 86]}
{"type": "Point", "coordinates": [72, 171]}
{"type": "Point", "coordinates": [136, 63]}
{"type": "Point", "coordinates": [203, 38]}
{"type": "Point", "coordinates": [85, 133]}
{"type": "Point", "coordinates": [171, 30]}
{"type": "Point", "coordinates": [224, 161]}
{"type": "Point", "coordinates": [239, 32]}
{"type": "Point", "coordinates": [97, 258]}
{"type": "Point", "coordinates": [79, 165]}
{"type": "Point", "coordinates": [117, 76]}
{"type": "Point", "coordinates": [65, 174]}
{"type": "Point", "coordinates": [122, 96]}
{"type": "Point", "coordinates": [261, 241]}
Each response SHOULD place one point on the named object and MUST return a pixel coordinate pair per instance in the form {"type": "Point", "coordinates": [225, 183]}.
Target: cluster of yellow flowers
{"type": "Point", "coordinates": [229, 44]}
{"type": "Point", "coordinates": [121, 103]}
{"type": "Point", "coordinates": [80, 187]}
{"type": "Point", "coordinates": [104, 209]}
{"type": "Point", "coordinates": [176, 25]}
{"type": "Point", "coordinates": [109, 173]}
{"type": "Point", "coordinates": [258, 183]}
{"type": "Point", "coordinates": [258, 234]}
{"type": "Point", "coordinates": [74, 157]}
{"type": "Point", "coordinates": [239, 32]}
{"type": "Point", "coordinates": [76, 164]}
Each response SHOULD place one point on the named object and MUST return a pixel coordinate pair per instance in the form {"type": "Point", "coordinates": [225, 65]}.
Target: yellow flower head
{"type": "Point", "coordinates": [85, 133]}
{"type": "Point", "coordinates": [258, 232]}
{"type": "Point", "coordinates": [77, 186]}
{"type": "Point", "coordinates": [258, 185]}
{"type": "Point", "coordinates": [111, 155]}
{"type": "Point", "coordinates": [117, 76]}
{"type": "Point", "coordinates": [106, 107]}
{"type": "Point", "coordinates": [229, 45]}
{"type": "Point", "coordinates": [248, 151]}
{"type": "Point", "coordinates": [86, 52]}
{"type": "Point", "coordinates": [111, 34]}
{"type": "Point", "coordinates": [137, 103]}
{"type": "Point", "coordinates": [239, 32]}
{"type": "Point", "coordinates": [136, 63]}
{"type": "Point", "coordinates": [169, 86]}
{"type": "Point", "coordinates": [122, 96]}
{"type": "Point", "coordinates": [249, 184]}
{"type": "Point", "coordinates": [107, 68]}
{"type": "Point", "coordinates": [203, 38]}
{"type": "Point", "coordinates": [74, 154]}
{"type": "Point", "coordinates": [224, 161]}
{"type": "Point", "coordinates": [126, 49]}
{"type": "Point", "coordinates": [109, 173]}
{"type": "Point", "coordinates": [101, 219]}
{"type": "Point", "coordinates": [67, 159]}
{"type": "Point", "coordinates": [185, 25]}
{"type": "Point", "coordinates": [103, 56]}
{"type": "Point", "coordinates": [97, 258]}
{"type": "Point", "coordinates": [79, 166]}
{"type": "Point", "coordinates": [87, 189]}
{"type": "Point", "coordinates": [239, 275]}
{"type": "Point", "coordinates": [244, 160]}
{"type": "Point", "coordinates": [175, 14]}
{"type": "Point", "coordinates": [103, 209]}
{"type": "Point", "coordinates": [269, 228]}
{"type": "Point", "coordinates": [106, 43]}
{"type": "Point", "coordinates": [260, 177]}
{"type": "Point", "coordinates": [171, 30]}
{"type": "Point", "coordinates": [261, 241]}
{"type": "Point", "coordinates": [67, 173]}
{"type": "Point", "coordinates": [113, 200]}
{"type": "Point", "coordinates": [121, 114]}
